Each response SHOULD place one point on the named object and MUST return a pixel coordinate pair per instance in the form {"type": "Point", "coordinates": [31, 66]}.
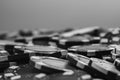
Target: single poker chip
{"type": "Point", "coordinates": [44, 51]}
{"type": "Point", "coordinates": [21, 40]}
{"type": "Point", "coordinates": [41, 40]}
{"type": "Point", "coordinates": [95, 50]}
{"type": "Point", "coordinates": [49, 64]}
{"type": "Point", "coordinates": [105, 67]}
{"type": "Point", "coordinates": [76, 40]}
{"type": "Point", "coordinates": [117, 63]}
{"type": "Point", "coordinates": [80, 31]}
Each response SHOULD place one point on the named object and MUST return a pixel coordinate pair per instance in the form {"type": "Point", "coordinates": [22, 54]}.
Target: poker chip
{"type": "Point", "coordinates": [95, 50]}
{"type": "Point", "coordinates": [76, 40]}
{"type": "Point", "coordinates": [79, 31]}
{"type": "Point", "coordinates": [49, 64]}
{"type": "Point", "coordinates": [105, 67]}
{"type": "Point", "coordinates": [44, 51]}
{"type": "Point", "coordinates": [117, 63]}
{"type": "Point", "coordinates": [21, 40]}
{"type": "Point", "coordinates": [41, 40]}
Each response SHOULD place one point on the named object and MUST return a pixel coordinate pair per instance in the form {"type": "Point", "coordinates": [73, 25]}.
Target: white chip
{"type": "Point", "coordinates": [8, 74]}
{"type": "Point", "coordinates": [35, 58]}
{"type": "Point", "coordinates": [41, 75]}
{"type": "Point", "coordinates": [14, 67]}
{"type": "Point", "coordinates": [68, 72]}
{"type": "Point", "coordinates": [15, 77]}
{"type": "Point", "coordinates": [86, 77]}
{"type": "Point", "coordinates": [62, 41]}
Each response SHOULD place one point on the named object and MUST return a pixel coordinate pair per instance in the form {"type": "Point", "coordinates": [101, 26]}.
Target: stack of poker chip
{"type": "Point", "coordinates": [93, 49]}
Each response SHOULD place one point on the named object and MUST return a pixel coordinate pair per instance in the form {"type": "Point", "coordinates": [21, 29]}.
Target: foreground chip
{"type": "Point", "coordinates": [49, 64]}
{"type": "Point", "coordinates": [105, 67]}
{"type": "Point", "coordinates": [95, 66]}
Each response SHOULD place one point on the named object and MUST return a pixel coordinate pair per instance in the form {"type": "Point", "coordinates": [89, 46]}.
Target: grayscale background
{"type": "Point", "coordinates": [57, 14]}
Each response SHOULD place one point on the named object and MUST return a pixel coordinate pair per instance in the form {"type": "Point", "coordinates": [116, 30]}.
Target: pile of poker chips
{"type": "Point", "coordinates": [91, 53]}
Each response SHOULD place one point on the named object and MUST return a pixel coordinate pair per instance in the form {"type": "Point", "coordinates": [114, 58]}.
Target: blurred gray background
{"type": "Point", "coordinates": [57, 14]}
